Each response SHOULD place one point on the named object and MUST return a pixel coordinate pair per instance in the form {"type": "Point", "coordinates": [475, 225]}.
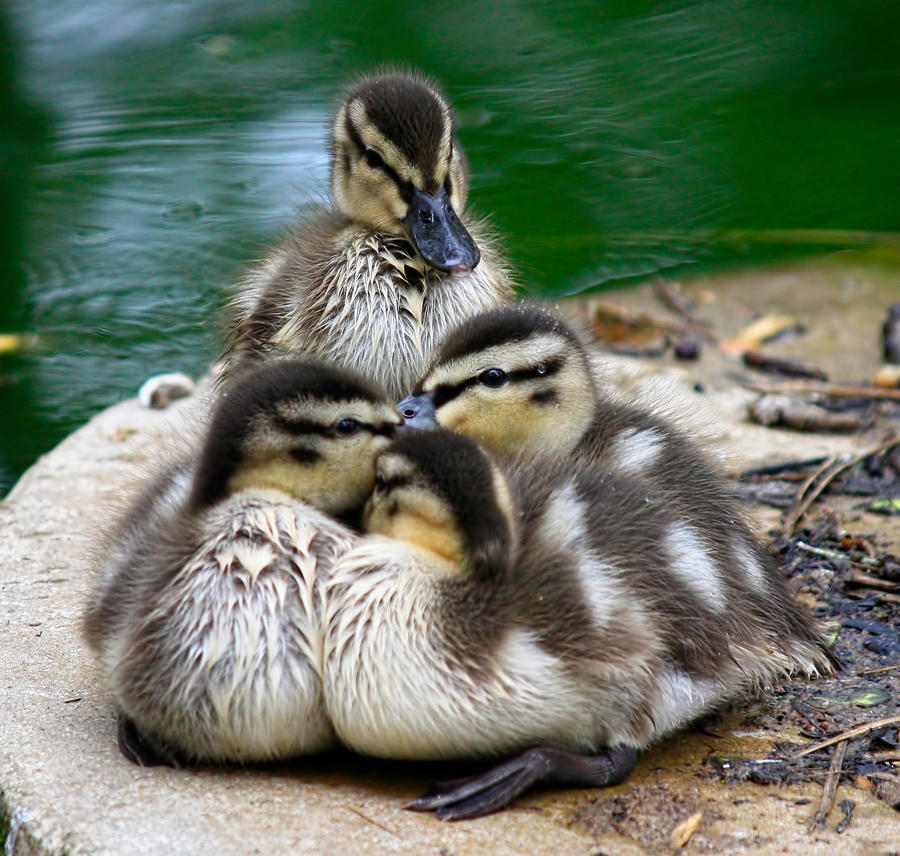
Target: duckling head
{"type": "Point", "coordinates": [443, 494]}
{"type": "Point", "coordinates": [517, 379]}
{"type": "Point", "coordinates": [307, 429]}
{"type": "Point", "coordinates": [397, 167]}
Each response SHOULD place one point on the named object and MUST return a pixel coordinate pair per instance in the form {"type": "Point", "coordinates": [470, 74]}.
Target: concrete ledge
{"type": "Point", "coordinates": [67, 789]}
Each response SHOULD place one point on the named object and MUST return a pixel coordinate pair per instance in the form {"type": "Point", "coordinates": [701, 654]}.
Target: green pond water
{"type": "Point", "coordinates": [151, 150]}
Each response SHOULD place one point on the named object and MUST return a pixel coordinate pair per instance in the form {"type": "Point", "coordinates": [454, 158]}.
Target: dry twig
{"type": "Point", "coordinates": [881, 670]}
{"type": "Point", "coordinates": [599, 310]}
{"type": "Point", "coordinates": [783, 410]}
{"type": "Point", "coordinates": [833, 390]}
{"type": "Point", "coordinates": [677, 302]}
{"type": "Point", "coordinates": [824, 476]}
{"type": "Point", "coordinates": [891, 755]}
{"type": "Point", "coordinates": [783, 467]}
{"type": "Point", "coordinates": [682, 833]}
{"type": "Point", "coordinates": [835, 556]}
{"type": "Point", "coordinates": [374, 822]}
{"type": "Point", "coordinates": [861, 578]}
{"type": "Point", "coordinates": [858, 731]}
{"type": "Point", "coordinates": [782, 366]}
{"type": "Point", "coordinates": [831, 782]}
{"type": "Point", "coordinates": [801, 503]}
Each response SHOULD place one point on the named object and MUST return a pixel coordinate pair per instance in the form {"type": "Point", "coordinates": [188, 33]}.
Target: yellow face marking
{"type": "Point", "coordinates": [415, 516]}
{"type": "Point", "coordinates": [509, 418]}
{"type": "Point", "coordinates": [368, 194]}
{"type": "Point", "coordinates": [423, 533]}
{"type": "Point", "coordinates": [340, 471]}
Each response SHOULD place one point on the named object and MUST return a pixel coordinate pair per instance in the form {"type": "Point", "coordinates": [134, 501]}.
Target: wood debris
{"type": "Point", "coordinates": [671, 295]}
{"type": "Point", "coordinates": [831, 782]}
{"type": "Point", "coordinates": [830, 390]}
{"type": "Point", "coordinates": [772, 410]}
{"type": "Point", "coordinates": [759, 332]}
{"type": "Point", "coordinates": [824, 476]}
{"type": "Point", "coordinates": [682, 833]}
{"type": "Point", "coordinates": [853, 733]}
{"type": "Point", "coordinates": [781, 366]}
{"type": "Point", "coordinates": [604, 311]}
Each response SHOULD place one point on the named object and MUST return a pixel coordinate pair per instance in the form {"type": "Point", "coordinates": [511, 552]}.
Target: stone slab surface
{"type": "Point", "coordinates": [68, 791]}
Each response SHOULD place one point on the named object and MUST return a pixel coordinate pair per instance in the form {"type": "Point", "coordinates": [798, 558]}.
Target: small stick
{"type": "Point", "coordinates": [682, 833]}
{"type": "Point", "coordinates": [800, 506]}
{"type": "Point", "coordinates": [786, 467]}
{"type": "Point", "coordinates": [831, 782]}
{"type": "Point", "coordinates": [784, 477]}
{"type": "Point", "coordinates": [605, 309]}
{"type": "Point", "coordinates": [677, 302]}
{"type": "Point", "coordinates": [881, 670]}
{"type": "Point", "coordinates": [782, 366]}
{"type": "Point", "coordinates": [374, 822]}
{"type": "Point", "coordinates": [892, 755]}
{"type": "Point", "coordinates": [828, 472]}
{"type": "Point", "coordinates": [837, 556]}
{"type": "Point", "coordinates": [834, 390]}
{"type": "Point", "coordinates": [858, 731]}
{"type": "Point", "coordinates": [861, 578]}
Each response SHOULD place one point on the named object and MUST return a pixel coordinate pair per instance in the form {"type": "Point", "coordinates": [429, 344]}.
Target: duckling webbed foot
{"type": "Point", "coordinates": [142, 749]}
{"type": "Point", "coordinates": [479, 795]}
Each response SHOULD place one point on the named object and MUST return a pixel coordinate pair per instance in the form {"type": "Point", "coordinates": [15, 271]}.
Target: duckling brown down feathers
{"type": "Point", "coordinates": [376, 283]}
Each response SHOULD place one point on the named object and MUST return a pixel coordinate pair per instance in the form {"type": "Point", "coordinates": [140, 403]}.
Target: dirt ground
{"type": "Point", "coordinates": [734, 785]}
{"type": "Point", "coordinates": [740, 770]}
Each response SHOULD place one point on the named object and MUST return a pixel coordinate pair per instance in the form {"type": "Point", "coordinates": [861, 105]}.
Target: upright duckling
{"type": "Point", "coordinates": [519, 380]}
{"type": "Point", "coordinates": [554, 610]}
{"type": "Point", "coordinates": [206, 617]}
{"type": "Point", "coordinates": [378, 282]}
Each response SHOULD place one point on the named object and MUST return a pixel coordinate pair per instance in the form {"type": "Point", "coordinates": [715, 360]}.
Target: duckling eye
{"type": "Point", "coordinates": [346, 427]}
{"type": "Point", "coordinates": [492, 378]}
{"type": "Point", "coordinates": [542, 369]}
{"type": "Point", "coordinates": [373, 159]}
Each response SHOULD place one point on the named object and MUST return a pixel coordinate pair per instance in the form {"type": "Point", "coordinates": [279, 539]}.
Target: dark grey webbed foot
{"type": "Point", "coordinates": [142, 749]}
{"type": "Point", "coordinates": [498, 787]}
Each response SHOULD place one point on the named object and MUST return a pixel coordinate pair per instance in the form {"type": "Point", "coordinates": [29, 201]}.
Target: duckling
{"type": "Point", "coordinates": [206, 614]}
{"type": "Point", "coordinates": [378, 281]}
{"type": "Point", "coordinates": [519, 380]}
{"type": "Point", "coordinates": [557, 613]}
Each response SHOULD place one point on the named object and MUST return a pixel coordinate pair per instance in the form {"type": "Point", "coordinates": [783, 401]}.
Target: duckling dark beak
{"type": "Point", "coordinates": [439, 235]}
{"type": "Point", "coordinates": [418, 412]}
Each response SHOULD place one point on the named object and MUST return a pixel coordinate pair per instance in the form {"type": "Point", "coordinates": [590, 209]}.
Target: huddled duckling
{"type": "Point", "coordinates": [558, 612]}
{"type": "Point", "coordinates": [206, 617]}
{"type": "Point", "coordinates": [376, 283]}
{"type": "Point", "coordinates": [520, 381]}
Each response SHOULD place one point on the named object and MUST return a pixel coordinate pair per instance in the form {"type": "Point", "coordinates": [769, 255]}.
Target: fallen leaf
{"type": "Point", "coordinates": [682, 833]}
{"type": "Point", "coordinates": [886, 506]}
{"type": "Point", "coordinates": [760, 331]}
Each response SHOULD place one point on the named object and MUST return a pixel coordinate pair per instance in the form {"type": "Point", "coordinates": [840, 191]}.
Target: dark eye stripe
{"type": "Point", "coordinates": [447, 392]}
{"type": "Point", "coordinates": [404, 187]}
{"type": "Point", "coordinates": [384, 429]}
{"type": "Point", "coordinates": [301, 427]}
